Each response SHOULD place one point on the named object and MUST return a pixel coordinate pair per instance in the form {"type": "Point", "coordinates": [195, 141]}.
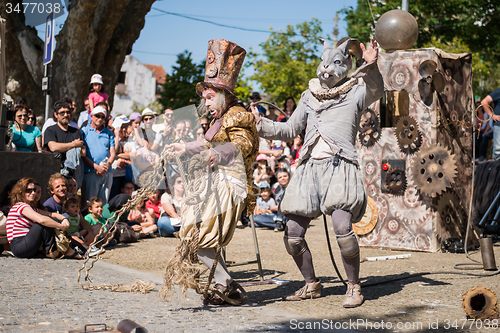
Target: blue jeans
{"type": "Point", "coordinates": [165, 228]}
{"type": "Point", "coordinates": [264, 221]}
{"type": "Point", "coordinates": [97, 186]}
{"type": "Point", "coordinates": [485, 139]}
{"type": "Point", "coordinates": [496, 141]}
{"type": "Point", "coordinates": [27, 246]}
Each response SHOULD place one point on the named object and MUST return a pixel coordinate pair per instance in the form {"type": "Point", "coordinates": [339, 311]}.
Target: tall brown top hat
{"type": "Point", "coordinates": [224, 60]}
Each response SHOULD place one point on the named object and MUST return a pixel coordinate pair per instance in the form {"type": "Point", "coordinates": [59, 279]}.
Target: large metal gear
{"type": "Point", "coordinates": [434, 170]}
{"type": "Point", "coordinates": [396, 180]}
{"type": "Point", "coordinates": [407, 132]}
{"type": "Point", "coordinates": [369, 128]}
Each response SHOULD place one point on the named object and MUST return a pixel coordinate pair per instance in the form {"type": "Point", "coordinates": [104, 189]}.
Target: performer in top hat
{"type": "Point", "coordinates": [231, 143]}
{"type": "Point", "coordinates": [327, 179]}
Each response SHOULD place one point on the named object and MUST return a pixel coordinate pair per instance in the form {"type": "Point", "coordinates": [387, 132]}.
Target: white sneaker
{"type": "Point", "coordinates": [94, 251]}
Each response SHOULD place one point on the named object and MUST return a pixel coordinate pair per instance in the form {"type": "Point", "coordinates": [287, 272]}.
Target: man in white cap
{"type": "Point", "coordinates": [99, 144]}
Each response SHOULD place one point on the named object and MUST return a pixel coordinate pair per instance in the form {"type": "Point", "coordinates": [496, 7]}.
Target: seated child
{"type": "Point", "coordinates": [95, 219]}
{"type": "Point", "coordinates": [72, 208]}
{"type": "Point", "coordinates": [263, 215]}
{"type": "Point", "coordinates": [145, 218]}
{"type": "Point", "coordinates": [154, 203]}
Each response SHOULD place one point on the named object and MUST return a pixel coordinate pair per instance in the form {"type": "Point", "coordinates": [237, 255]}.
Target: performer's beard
{"type": "Point", "coordinates": [218, 106]}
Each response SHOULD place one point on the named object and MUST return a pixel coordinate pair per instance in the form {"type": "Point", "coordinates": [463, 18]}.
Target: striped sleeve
{"type": "Point", "coordinates": [17, 224]}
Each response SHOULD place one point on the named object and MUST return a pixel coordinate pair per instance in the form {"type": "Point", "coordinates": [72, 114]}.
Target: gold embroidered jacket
{"type": "Point", "coordinates": [236, 126]}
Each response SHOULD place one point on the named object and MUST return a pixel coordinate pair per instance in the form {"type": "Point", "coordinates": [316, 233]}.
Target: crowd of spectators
{"type": "Point", "coordinates": [102, 158]}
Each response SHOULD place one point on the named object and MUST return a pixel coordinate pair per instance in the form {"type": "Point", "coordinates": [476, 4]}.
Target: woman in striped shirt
{"type": "Point", "coordinates": [28, 227]}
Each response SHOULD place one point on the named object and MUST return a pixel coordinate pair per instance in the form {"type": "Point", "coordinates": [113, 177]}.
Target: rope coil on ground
{"type": "Point", "coordinates": [149, 180]}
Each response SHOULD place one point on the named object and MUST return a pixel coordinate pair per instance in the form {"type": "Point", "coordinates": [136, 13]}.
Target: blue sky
{"type": "Point", "coordinates": [164, 36]}
{"type": "Point", "coordinates": [171, 35]}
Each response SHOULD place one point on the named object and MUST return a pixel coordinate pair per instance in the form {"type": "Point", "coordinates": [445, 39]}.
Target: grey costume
{"type": "Point", "coordinates": [324, 185]}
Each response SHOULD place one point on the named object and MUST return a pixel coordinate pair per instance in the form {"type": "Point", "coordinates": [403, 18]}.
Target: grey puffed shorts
{"type": "Point", "coordinates": [322, 186]}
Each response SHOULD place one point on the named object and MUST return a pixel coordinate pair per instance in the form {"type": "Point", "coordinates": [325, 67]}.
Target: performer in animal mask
{"type": "Point", "coordinates": [327, 179]}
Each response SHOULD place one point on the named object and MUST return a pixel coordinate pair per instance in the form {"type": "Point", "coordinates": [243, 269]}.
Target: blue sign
{"type": "Point", "coordinates": [48, 48]}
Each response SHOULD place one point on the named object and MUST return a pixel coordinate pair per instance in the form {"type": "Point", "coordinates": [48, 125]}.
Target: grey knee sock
{"type": "Point", "coordinates": [342, 225]}
{"type": "Point", "coordinates": [351, 266]}
{"type": "Point", "coordinates": [296, 226]}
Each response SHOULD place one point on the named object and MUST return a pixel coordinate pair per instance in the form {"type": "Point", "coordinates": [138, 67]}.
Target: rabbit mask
{"type": "Point", "coordinates": [335, 64]}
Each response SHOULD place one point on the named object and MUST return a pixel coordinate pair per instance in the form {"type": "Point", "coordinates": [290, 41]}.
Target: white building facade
{"type": "Point", "coordinates": [136, 85]}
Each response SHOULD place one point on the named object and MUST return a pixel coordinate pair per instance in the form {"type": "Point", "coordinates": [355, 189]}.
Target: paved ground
{"type": "Point", "coordinates": [417, 302]}
{"type": "Point", "coordinates": [42, 295]}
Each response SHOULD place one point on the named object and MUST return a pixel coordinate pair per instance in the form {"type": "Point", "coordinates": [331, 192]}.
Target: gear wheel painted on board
{"type": "Point", "coordinates": [434, 170]}
{"type": "Point", "coordinates": [369, 220]}
{"type": "Point", "coordinates": [370, 168]}
{"type": "Point", "coordinates": [418, 214]}
{"type": "Point", "coordinates": [407, 133]}
{"type": "Point", "coordinates": [369, 129]}
{"type": "Point", "coordinates": [396, 181]}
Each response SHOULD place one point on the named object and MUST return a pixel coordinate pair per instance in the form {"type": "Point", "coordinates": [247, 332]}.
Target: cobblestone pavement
{"type": "Point", "coordinates": [42, 295]}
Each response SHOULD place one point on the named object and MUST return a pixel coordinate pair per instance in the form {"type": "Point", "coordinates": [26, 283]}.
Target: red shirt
{"type": "Point", "coordinates": [155, 207]}
{"type": "Point", "coordinates": [18, 225]}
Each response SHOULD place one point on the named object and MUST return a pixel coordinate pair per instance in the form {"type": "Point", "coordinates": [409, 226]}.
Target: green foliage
{"type": "Point", "coordinates": [180, 87]}
{"type": "Point", "coordinates": [243, 88]}
{"type": "Point", "coordinates": [155, 107]}
{"type": "Point", "coordinates": [288, 61]}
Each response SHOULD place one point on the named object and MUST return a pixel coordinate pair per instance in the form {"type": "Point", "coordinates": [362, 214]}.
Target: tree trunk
{"type": "Point", "coordinates": [95, 38]}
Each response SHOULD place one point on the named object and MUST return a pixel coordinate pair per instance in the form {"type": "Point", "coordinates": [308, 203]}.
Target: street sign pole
{"type": "Point", "coordinates": [47, 94]}
{"type": "Point", "coordinates": [48, 52]}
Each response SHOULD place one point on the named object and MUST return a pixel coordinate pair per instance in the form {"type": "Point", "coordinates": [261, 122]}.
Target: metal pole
{"type": "Point", "coordinates": [405, 5]}
{"type": "Point", "coordinates": [257, 252]}
{"type": "Point", "coordinates": [47, 98]}
{"type": "Point", "coordinates": [490, 208]}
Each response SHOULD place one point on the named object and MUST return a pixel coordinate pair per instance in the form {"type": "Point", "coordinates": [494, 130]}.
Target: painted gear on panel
{"type": "Point", "coordinates": [410, 215]}
{"type": "Point", "coordinates": [396, 180]}
{"type": "Point", "coordinates": [369, 220]}
{"type": "Point", "coordinates": [407, 132]}
{"type": "Point", "coordinates": [369, 128]}
{"type": "Point", "coordinates": [400, 76]}
{"type": "Point", "coordinates": [434, 170]}
{"type": "Point", "coordinates": [370, 167]}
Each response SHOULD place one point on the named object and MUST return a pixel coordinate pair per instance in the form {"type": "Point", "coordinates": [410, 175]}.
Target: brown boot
{"type": "Point", "coordinates": [231, 291]}
{"type": "Point", "coordinates": [309, 291]}
{"type": "Point", "coordinates": [213, 298]}
{"type": "Point", "coordinates": [353, 297]}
